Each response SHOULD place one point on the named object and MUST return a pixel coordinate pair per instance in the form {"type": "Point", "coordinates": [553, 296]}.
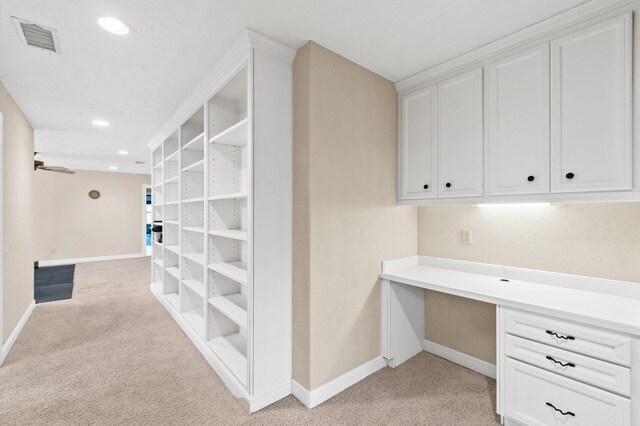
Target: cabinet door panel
{"type": "Point", "coordinates": [591, 108]}
{"type": "Point", "coordinates": [519, 123]}
{"type": "Point", "coordinates": [460, 136]}
{"type": "Point", "coordinates": [419, 145]}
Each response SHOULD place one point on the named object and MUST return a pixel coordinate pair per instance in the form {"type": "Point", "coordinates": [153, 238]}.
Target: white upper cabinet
{"type": "Point", "coordinates": [460, 135]}
{"type": "Point", "coordinates": [419, 144]}
{"type": "Point", "coordinates": [591, 108]}
{"type": "Point", "coordinates": [519, 123]}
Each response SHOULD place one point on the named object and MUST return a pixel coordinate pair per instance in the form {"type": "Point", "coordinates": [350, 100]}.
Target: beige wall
{"type": "Point", "coordinates": [75, 226]}
{"type": "Point", "coordinates": [600, 240]}
{"type": "Point", "coordinates": [346, 220]}
{"type": "Point", "coordinates": [17, 237]}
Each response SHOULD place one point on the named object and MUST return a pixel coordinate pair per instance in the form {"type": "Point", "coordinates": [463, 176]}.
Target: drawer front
{"type": "Point", "coordinates": [538, 398]}
{"type": "Point", "coordinates": [570, 336]}
{"type": "Point", "coordinates": [598, 373]}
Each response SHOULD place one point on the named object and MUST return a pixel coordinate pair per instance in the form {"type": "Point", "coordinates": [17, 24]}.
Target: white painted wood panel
{"type": "Point", "coordinates": [591, 108]}
{"type": "Point", "coordinates": [519, 123]}
{"type": "Point", "coordinates": [460, 135]}
{"type": "Point", "coordinates": [419, 144]}
{"type": "Point", "coordinates": [534, 393]}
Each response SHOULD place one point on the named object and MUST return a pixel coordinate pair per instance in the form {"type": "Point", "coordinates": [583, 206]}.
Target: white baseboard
{"type": "Point", "coordinates": [59, 262]}
{"type": "Point", "coordinates": [319, 395]}
{"type": "Point", "coordinates": [460, 358]}
{"type": "Point", "coordinates": [6, 347]}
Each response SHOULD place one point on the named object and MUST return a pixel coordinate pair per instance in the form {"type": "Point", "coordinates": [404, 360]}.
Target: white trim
{"type": "Point", "coordinates": [1, 239]}
{"type": "Point", "coordinates": [6, 347]}
{"type": "Point", "coordinates": [58, 262]}
{"type": "Point", "coordinates": [529, 34]}
{"type": "Point", "coordinates": [475, 364]}
{"type": "Point", "coordinates": [319, 395]}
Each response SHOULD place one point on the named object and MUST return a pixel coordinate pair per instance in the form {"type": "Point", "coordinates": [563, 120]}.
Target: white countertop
{"type": "Point", "coordinates": [604, 303]}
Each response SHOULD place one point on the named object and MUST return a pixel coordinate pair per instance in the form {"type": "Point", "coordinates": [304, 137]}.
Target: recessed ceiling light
{"type": "Point", "coordinates": [123, 152]}
{"type": "Point", "coordinates": [113, 167]}
{"type": "Point", "coordinates": [113, 25]}
{"type": "Point", "coordinates": [100, 123]}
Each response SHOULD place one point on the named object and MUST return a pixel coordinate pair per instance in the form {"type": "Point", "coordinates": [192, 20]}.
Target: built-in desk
{"type": "Point", "coordinates": [570, 341]}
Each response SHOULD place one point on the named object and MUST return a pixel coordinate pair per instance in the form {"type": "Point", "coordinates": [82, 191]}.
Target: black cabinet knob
{"type": "Point", "coordinates": [448, 185]}
{"type": "Point", "coordinates": [531, 178]}
{"type": "Point", "coordinates": [569, 175]}
{"type": "Point", "coordinates": [426, 187]}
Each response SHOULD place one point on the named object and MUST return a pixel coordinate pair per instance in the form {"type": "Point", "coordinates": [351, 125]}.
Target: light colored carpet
{"type": "Point", "coordinates": [113, 355]}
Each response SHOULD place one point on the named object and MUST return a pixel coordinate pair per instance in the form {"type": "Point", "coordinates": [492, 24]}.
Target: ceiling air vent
{"type": "Point", "coordinates": [139, 162]}
{"type": "Point", "coordinates": [36, 35]}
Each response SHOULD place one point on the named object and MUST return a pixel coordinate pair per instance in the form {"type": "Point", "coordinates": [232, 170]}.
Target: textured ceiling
{"type": "Point", "coordinates": [137, 81]}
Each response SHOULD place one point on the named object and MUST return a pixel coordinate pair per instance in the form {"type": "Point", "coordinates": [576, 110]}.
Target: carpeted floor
{"type": "Point", "coordinates": [113, 356]}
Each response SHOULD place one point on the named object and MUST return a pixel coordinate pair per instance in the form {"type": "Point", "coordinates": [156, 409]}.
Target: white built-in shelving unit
{"type": "Point", "coordinates": [222, 179]}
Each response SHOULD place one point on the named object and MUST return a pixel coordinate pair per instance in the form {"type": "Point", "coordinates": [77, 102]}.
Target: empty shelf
{"type": "Point", "coordinates": [159, 262]}
{"type": "Point", "coordinates": [231, 350]}
{"type": "Point", "coordinates": [171, 222]}
{"type": "Point", "coordinates": [157, 185]}
{"type": "Point", "coordinates": [195, 285]}
{"type": "Point", "coordinates": [233, 306]}
{"type": "Point", "coordinates": [198, 167]}
{"type": "Point", "coordinates": [157, 165]}
{"type": "Point", "coordinates": [193, 200]}
{"type": "Point", "coordinates": [171, 202]}
{"type": "Point", "coordinates": [237, 135]}
{"type": "Point", "coordinates": [174, 249]}
{"type": "Point", "coordinates": [173, 179]}
{"type": "Point", "coordinates": [174, 271]}
{"type": "Point", "coordinates": [234, 234]}
{"type": "Point", "coordinates": [173, 157]}
{"type": "Point", "coordinates": [237, 271]}
{"type": "Point", "coordinates": [196, 257]}
{"type": "Point", "coordinates": [195, 320]}
{"type": "Point", "coordinates": [194, 229]}
{"type": "Point", "coordinates": [174, 299]}
{"type": "Point", "coordinates": [195, 144]}
{"type": "Point", "coordinates": [231, 196]}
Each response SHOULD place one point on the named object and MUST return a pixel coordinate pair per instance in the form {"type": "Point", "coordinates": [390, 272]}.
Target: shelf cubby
{"type": "Point", "coordinates": [172, 286]}
{"type": "Point", "coordinates": [192, 185]}
{"type": "Point", "coordinates": [171, 146]}
{"type": "Point", "coordinates": [228, 342]}
{"type": "Point", "coordinates": [192, 308]}
{"type": "Point", "coordinates": [233, 306]}
{"type": "Point", "coordinates": [156, 158]}
{"type": "Point", "coordinates": [228, 164]}
{"type": "Point", "coordinates": [171, 172]}
{"type": "Point", "coordinates": [192, 128]}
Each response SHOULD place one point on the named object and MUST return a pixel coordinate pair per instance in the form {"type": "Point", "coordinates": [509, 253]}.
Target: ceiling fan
{"type": "Point", "coordinates": [39, 165]}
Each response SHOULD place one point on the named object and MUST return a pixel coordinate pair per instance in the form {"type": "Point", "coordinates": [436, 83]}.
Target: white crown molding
{"type": "Point", "coordinates": [6, 347]}
{"type": "Point", "coordinates": [59, 262]}
{"type": "Point", "coordinates": [258, 41]}
{"type": "Point", "coordinates": [529, 34]}
{"type": "Point", "coordinates": [233, 60]}
{"type": "Point", "coordinates": [319, 395]}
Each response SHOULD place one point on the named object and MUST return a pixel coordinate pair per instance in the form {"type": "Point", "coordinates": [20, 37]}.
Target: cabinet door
{"type": "Point", "coordinates": [460, 136]}
{"type": "Point", "coordinates": [419, 146]}
{"type": "Point", "coordinates": [519, 123]}
{"type": "Point", "coordinates": [591, 108]}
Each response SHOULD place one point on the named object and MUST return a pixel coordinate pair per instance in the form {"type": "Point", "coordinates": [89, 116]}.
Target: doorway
{"type": "Point", "coordinates": [147, 219]}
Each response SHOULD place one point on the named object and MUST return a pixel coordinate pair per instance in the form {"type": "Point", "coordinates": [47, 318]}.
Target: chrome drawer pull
{"type": "Point", "coordinates": [564, 413]}
{"type": "Point", "coordinates": [560, 336]}
{"type": "Point", "coordinates": [567, 364]}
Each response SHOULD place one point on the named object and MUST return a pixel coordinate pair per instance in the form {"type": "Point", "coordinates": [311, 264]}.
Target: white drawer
{"type": "Point", "coordinates": [570, 336]}
{"type": "Point", "coordinates": [538, 398]}
{"type": "Point", "coordinates": [598, 373]}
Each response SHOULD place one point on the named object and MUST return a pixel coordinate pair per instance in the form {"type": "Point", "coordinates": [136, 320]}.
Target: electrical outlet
{"type": "Point", "coordinates": [466, 236]}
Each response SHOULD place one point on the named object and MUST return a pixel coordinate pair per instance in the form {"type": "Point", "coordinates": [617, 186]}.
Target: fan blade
{"type": "Point", "coordinates": [57, 169]}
